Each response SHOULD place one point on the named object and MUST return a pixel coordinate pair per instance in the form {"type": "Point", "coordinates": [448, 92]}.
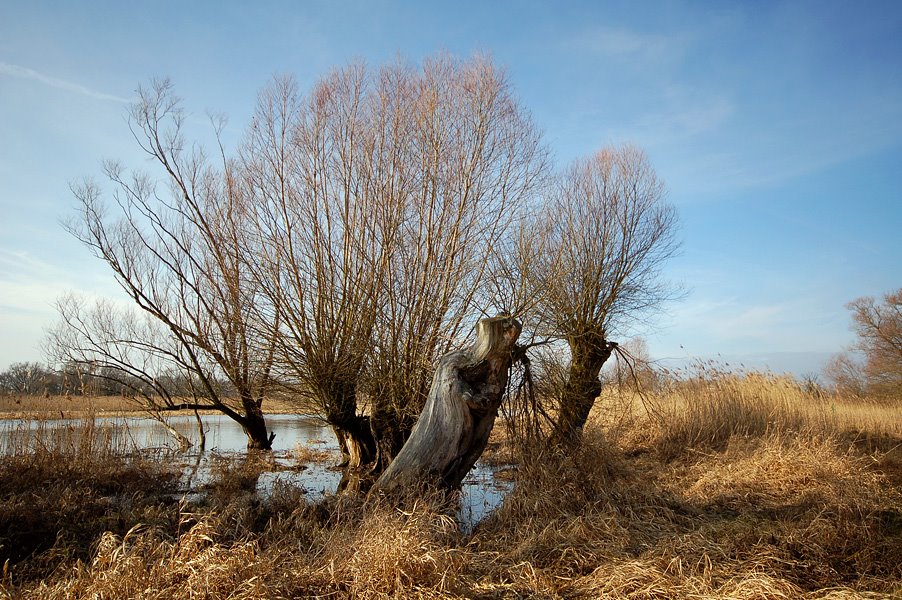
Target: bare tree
{"type": "Point", "coordinates": [633, 368]}
{"type": "Point", "coordinates": [878, 325]}
{"type": "Point", "coordinates": [123, 349]}
{"type": "Point", "coordinates": [380, 197]}
{"type": "Point", "coordinates": [181, 257]}
{"type": "Point", "coordinates": [324, 172]}
{"type": "Point", "coordinates": [604, 234]}
{"type": "Point", "coordinates": [846, 372]}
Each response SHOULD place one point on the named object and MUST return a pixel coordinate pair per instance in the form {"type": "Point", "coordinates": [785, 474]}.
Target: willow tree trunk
{"type": "Point", "coordinates": [254, 425]}
{"type": "Point", "coordinates": [581, 389]}
{"type": "Point", "coordinates": [454, 427]}
{"type": "Point", "coordinates": [391, 431]}
{"type": "Point", "coordinates": [355, 440]}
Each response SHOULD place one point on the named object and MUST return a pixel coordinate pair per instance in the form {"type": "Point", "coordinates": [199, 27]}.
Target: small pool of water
{"type": "Point", "coordinates": [481, 492]}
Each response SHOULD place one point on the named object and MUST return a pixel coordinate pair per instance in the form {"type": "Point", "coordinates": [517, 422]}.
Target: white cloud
{"type": "Point", "coordinates": [733, 325]}
{"type": "Point", "coordinates": [62, 84]}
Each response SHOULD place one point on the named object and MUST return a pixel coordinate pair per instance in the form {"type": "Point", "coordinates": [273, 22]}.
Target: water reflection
{"type": "Point", "coordinates": [480, 494]}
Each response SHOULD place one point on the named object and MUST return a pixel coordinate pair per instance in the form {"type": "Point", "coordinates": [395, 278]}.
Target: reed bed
{"type": "Point", "coordinates": [61, 487]}
{"type": "Point", "coordinates": [725, 488]}
{"type": "Point", "coordinates": [712, 406]}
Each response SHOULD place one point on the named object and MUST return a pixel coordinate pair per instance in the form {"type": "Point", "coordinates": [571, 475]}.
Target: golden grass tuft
{"type": "Point", "coordinates": [777, 471]}
{"type": "Point", "coordinates": [62, 487]}
{"type": "Point", "coordinates": [312, 452]}
{"type": "Point", "coordinates": [144, 564]}
{"type": "Point", "coordinates": [397, 552]}
{"type": "Point", "coordinates": [648, 579]}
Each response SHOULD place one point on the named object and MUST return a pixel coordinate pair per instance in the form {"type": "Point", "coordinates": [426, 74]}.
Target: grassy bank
{"type": "Point", "coordinates": [743, 487]}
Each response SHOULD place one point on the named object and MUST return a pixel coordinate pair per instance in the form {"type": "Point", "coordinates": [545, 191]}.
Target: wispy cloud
{"type": "Point", "coordinates": [760, 323]}
{"type": "Point", "coordinates": [736, 324]}
{"type": "Point", "coordinates": [680, 113]}
{"type": "Point", "coordinates": [730, 321]}
{"type": "Point", "coordinates": [626, 43]}
{"type": "Point", "coordinates": [30, 285]}
{"type": "Point", "coordinates": [55, 82]}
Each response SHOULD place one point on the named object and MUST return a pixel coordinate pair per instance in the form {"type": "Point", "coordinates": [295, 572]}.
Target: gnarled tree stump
{"type": "Point", "coordinates": [454, 427]}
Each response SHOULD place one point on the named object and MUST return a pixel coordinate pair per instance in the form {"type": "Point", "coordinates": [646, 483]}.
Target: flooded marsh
{"type": "Point", "coordinates": [305, 456]}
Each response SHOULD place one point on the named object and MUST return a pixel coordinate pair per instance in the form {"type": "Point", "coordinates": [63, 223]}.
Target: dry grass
{"type": "Point", "coordinates": [707, 411]}
{"type": "Point", "coordinates": [747, 489]}
{"type": "Point", "coordinates": [62, 407]}
{"type": "Point", "coordinates": [313, 452]}
{"type": "Point", "coordinates": [61, 488]}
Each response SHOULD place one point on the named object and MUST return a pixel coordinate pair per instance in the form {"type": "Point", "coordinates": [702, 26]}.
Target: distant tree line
{"type": "Point", "coordinates": [75, 379]}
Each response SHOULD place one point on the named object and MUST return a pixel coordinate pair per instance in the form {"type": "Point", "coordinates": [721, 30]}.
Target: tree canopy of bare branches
{"type": "Point", "coordinates": [380, 196]}
{"type": "Point", "coordinates": [476, 158]}
{"type": "Point", "coordinates": [324, 234]}
{"type": "Point", "coordinates": [180, 254]}
{"type": "Point", "coordinates": [877, 324]}
{"type": "Point", "coordinates": [24, 378]}
{"type": "Point", "coordinates": [593, 260]}
{"type": "Point", "coordinates": [353, 240]}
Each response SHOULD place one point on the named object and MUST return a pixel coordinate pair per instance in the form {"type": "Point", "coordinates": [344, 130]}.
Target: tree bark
{"type": "Point", "coordinates": [391, 432]}
{"type": "Point", "coordinates": [581, 389]}
{"type": "Point", "coordinates": [254, 425]}
{"type": "Point", "coordinates": [201, 432]}
{"type": "Point", "coordinates": [454, 427]}
{"type": "Point", "coordinates": [355, 440]}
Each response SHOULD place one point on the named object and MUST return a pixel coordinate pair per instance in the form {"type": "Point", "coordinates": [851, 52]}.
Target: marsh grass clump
{"type": "Point", "coordinates": [234, 476]}
{"type": "Point", "coordinates": [807, 506]}
{"type": "Point", "coordinates": [398, 549]}
{"type": "Point", "coordinates": [772, 516]}
{"type": "Point", "coordinates": [708, 411]}
{"type": "Point", "coordinates": [312, 452]}
{"type": "Point", "coordinates": [147, 563]}
{"type": "Point", "coordinates": [702, 411]}
{"type": "Point", "coordinates": [356, 550]}
{"type": "Point", "coordinates": [568, 513]}
{"type": "Point", "coordinates": [61, 488]}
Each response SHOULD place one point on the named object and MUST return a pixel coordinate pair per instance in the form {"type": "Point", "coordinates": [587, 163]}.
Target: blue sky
{"type": "Point", "coordinates": [776, 126]}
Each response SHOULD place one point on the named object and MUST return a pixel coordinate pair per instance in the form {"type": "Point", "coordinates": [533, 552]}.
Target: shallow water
{"type": "Point", "coordinates": [481, 493]}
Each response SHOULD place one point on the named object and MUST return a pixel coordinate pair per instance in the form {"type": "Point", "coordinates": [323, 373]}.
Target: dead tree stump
{"type": "Point", "coordinates": [455, 423]}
